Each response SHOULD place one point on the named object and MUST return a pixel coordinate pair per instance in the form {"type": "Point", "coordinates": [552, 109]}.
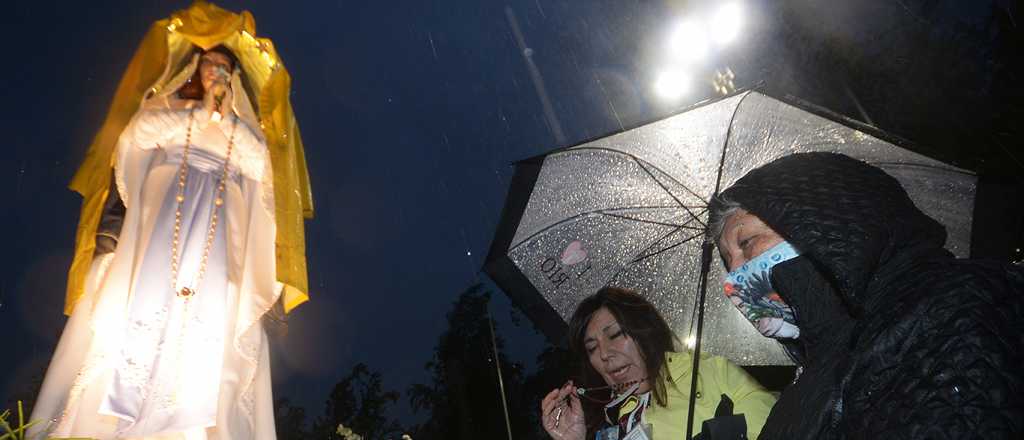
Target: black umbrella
{"type": "Point", "coordinates": [630, 210]}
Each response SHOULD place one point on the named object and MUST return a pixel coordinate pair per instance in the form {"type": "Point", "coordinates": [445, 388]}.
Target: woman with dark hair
{"type": "Point", "coordinates": [633, 378]}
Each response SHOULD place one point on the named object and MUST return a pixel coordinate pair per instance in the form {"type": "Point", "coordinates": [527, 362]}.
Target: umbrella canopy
{"type": "Point", "coordinates": [630, 210]}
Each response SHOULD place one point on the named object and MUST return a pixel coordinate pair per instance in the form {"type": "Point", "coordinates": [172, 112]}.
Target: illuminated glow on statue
{"type": "Point", "coordinates": [195, 192]}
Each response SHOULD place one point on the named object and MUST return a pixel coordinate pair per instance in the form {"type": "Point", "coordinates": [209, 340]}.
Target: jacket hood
{"type": "Point", "coordinates": [852, 219]}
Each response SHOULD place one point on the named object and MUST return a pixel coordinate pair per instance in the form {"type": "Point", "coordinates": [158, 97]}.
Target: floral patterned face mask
{"type": "Point", "coordinates": [750, 289]}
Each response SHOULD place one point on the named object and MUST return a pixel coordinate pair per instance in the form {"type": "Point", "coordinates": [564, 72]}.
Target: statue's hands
{"type": "Point", "coordinates": [562, 414]}
{"type": "Point", "coordinates": [218, 97]}
{"type": "Point", "coordinates": [98, 271]}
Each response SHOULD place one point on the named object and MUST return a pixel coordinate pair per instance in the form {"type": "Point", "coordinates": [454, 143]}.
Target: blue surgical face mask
{"type": "Point", "coordinates": [750, 289]}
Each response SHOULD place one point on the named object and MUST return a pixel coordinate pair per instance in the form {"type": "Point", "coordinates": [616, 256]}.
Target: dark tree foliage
{"type": "Point", "coordinates": [289, 420]}
{"type": "Point", "coordinates": [360, 402]}
{"type": "Point", "coordinates": [463, 400]}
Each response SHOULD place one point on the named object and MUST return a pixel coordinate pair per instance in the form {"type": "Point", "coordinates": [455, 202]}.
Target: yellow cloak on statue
{"type": "Point", "coordinates": [165, 48]}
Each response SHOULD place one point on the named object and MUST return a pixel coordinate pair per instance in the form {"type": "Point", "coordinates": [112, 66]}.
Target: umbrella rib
{"type": "Point", "coordinates": [678, 227]}
{"type": "Point", "coordinates": [641, 257]}
{"type": "Point", "coordinates": [673, 196]}
{"type": "Point", "coordinates": [606, 211]}
{"type": "Point", "coordinates": [635, 259]}
{"type": "Point", "coordinates": [638, 160]}
{"type": "Point", "coordinates": [924, 166]}
{"type": "Point", "coordinates": [697, 219]}
{"type": "Point", "coordinates": [644, 257]}
{"type": "Point", "coordinates": [652, 222]}
{"type": "Point", "coordinates": [642, 207]}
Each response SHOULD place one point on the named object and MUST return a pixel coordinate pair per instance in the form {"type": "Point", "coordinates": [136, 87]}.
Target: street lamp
{"type": "Point", "coordinates": [691, 43]}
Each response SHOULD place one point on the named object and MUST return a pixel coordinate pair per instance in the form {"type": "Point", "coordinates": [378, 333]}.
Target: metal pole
{"type": "Point", "coordinates": [501, 382]}
{"type": "Point", "coordinates": [856, 102]}
{"type": "Point", "coordinates": [538, 81]}
{"type": "Point", "coordinates": [705, 268]}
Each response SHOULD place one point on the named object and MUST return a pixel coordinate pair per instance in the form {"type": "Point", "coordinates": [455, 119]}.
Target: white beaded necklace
{"type": "Point", "coordinates": [187, 292]}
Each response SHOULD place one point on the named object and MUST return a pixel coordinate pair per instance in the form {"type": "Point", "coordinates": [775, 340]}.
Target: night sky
{"type": "Point", "coordinates": [412, 113]}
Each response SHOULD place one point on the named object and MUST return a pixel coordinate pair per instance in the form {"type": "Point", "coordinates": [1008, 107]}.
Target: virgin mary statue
{"type": "Point", "coordinates": [191, 232]}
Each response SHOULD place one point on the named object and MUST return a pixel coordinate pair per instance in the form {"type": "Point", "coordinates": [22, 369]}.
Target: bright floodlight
{"type": "Point", "coordinates": [690, 41]}
{"type": "Point", "coordinates": [672, 84]}
{"type": "Point", "coordinates": [726, 23]}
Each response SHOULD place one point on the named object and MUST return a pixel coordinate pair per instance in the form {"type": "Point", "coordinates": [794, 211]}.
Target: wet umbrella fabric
{"type": "Point", "coordinates": [630, 210]}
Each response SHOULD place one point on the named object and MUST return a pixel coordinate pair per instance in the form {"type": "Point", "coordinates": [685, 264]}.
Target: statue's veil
{"type": "Point", "coordinates": [241, 103]}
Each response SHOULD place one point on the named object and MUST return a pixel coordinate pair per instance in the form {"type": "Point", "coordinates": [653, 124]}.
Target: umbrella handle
{"type": "Point", "coordinates": [705, 267]}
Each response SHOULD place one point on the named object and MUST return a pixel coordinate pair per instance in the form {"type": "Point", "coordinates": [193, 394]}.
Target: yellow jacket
{"type": "Point", "coordinates": [717, 376]}
{"type": "Point", "coordinates": [165, 48]}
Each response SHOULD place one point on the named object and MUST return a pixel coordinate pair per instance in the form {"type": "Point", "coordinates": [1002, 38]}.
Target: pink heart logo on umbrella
{"type": "Point", "coordinates": [573, 254]}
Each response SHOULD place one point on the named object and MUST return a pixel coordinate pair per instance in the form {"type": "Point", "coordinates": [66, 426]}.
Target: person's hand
{"type": "Point", "coordinates": [562, 414]}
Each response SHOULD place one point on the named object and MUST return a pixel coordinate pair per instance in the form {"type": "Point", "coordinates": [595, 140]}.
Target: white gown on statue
{"type": "Point", "coordinates": [135, 361]}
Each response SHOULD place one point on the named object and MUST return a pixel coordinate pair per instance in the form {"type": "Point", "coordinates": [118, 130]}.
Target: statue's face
{"type": "Point", "coordinates": [209, 65]}
{"type": "Point", "coordinates": [744, 237]}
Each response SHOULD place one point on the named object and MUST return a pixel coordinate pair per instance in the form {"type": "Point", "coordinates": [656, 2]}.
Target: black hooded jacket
{"type": "Point", "coordinates": [898, 339]}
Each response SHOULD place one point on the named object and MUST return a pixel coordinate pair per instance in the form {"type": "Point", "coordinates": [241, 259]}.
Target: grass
{"type": "Point", "coordinates": [9, 433]}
